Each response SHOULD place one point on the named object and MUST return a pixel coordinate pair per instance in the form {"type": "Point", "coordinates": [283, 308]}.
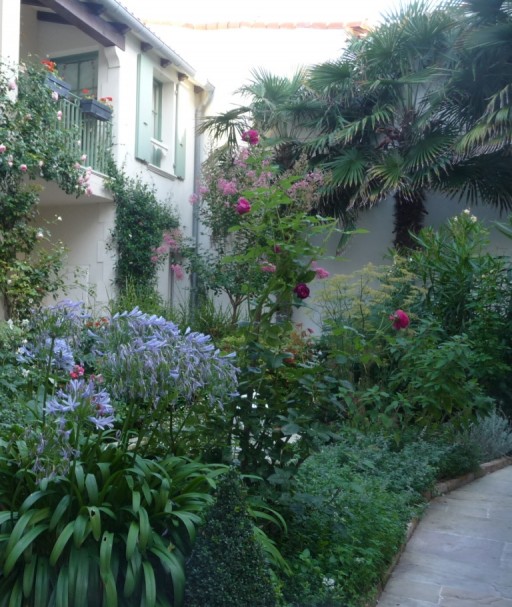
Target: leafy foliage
{"type": "Point", "coordinates": [227, 567]}
{"type": "Point", "coordinates": [141, 222]}
{"type": "Point", "coordinates": [32, 146]}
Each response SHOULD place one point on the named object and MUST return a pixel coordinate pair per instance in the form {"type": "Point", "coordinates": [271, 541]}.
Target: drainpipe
{"type": "Point", "coordinates": [198, 140]}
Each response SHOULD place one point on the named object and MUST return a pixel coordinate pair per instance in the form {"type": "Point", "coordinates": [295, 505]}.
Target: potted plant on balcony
{"type": "Point", "coordinates": [53, 81]}
{"type": "Point", "coordinates": [101, 109]}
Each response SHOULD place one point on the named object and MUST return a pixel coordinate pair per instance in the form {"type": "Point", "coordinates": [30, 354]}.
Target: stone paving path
{"type": "Point", "coordinates": [460, 555]}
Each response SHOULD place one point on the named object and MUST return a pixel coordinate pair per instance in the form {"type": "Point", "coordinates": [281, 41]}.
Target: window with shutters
{"type": "Point", "coordinates": [160, 138]}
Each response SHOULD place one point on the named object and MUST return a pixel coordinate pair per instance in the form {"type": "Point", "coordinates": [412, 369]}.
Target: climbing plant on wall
{"type": "Point", "coordinates": [145, 231]}
{"type": "Point", "coordinates": [33, 146]}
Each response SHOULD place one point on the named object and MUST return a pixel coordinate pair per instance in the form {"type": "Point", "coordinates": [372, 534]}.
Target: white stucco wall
{"type": "Point", "coordinates": [87, 222]}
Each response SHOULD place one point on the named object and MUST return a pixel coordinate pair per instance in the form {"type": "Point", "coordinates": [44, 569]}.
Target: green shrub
{"type": "Point", "coordinates": [492, 435]}
{"type": "Point", "coordinates": [227, 567]}
{"type": "Point", "coordinates": [114, 529]}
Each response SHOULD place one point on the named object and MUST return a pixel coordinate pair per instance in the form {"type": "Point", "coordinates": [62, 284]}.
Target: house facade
{"type": "Point", "coordinates": [102, 50]}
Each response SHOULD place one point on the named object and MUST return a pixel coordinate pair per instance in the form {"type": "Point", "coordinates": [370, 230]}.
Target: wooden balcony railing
{"type": "Point", "coordinates": [95, 136]}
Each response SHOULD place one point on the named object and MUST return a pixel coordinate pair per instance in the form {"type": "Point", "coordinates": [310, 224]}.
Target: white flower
{"type": "Point", "coordinates": [25, 372]}
{"type": "Point", "coordinates": [58, 218]}
{"type": "Point", "coordinates": [39, 234]}
{"type": "Point", "coordinates": [10, 324]}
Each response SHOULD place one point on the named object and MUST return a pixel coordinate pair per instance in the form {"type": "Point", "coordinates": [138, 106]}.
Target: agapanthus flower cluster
{"type": "Point", "coordinates": [56, 336]}
{"type": "Point", "coordinates": [81, 402]}
{"type": "Point", "coordinates": [147, 359]}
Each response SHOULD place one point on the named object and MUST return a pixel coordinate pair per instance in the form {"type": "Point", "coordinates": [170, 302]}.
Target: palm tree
{"type": "Point", "coordinates": [400, 113]}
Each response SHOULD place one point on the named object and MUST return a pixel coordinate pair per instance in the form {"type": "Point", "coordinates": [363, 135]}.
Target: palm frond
{"type": "Point", "coordinates": [483, 180]}
{"type": "Point", "coordinates": [226, 126]}
{"type": "Point", "coordinates": [348, 169]}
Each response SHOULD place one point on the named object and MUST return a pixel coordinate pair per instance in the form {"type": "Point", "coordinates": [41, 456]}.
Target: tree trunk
{"type": "Point", "coordinates": [409, 215]}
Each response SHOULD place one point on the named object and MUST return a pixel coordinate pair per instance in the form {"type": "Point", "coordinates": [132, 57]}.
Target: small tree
{"type": "Point", "coordinates": [227, 567]}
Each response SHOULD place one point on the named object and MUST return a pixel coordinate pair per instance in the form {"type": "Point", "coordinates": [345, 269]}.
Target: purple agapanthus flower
{"type": "Point", "coordinates": [80, 399]}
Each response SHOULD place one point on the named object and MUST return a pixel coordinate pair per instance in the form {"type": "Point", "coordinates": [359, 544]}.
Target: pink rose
{"type": "Point", "coordinates": [400, 320]}
{"type": "Point", "coordinates": [301, 290]}
{"type": "Point", "coordinates": [2, 148]}
{"type": "Point", "coordinates": [76, 372]}
{"type": "Point", "coordinates": [177, 270]}
{"type": "Point", "coordinates": [55, 96]}
{"type": "Point", "coordinates": [320, 272]}
{"type": "Point", "coordinates": [23, 168]}
{"type": "Point", "coordinates": [251, 136]}
{"type": "Point", "coordinates": [59, 115]}
{"type": "Point", "coordinates": [243, 206]}
{"type": "Point", "coordinates": [266, 266]}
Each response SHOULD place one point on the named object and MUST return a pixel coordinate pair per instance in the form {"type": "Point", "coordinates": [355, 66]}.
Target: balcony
{"type": "Point", "coordinates": [95, 135]}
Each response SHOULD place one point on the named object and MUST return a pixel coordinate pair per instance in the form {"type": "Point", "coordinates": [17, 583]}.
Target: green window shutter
{"type": "Point", "coordinates": [143, 147]}
{"type": "Point", "coordinates": [180, 142]}
{"type": "Point", "coordinates": [181, 153]}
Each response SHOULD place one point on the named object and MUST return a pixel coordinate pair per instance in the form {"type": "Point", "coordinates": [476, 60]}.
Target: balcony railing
{"type": "Point", "coordinates": [95, 135]}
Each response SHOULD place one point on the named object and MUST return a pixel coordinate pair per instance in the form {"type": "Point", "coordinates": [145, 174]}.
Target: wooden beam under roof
{"type": "Point", "coordinates": [77, 13]}
{"type": "Point", "coordinates": [51, 18]}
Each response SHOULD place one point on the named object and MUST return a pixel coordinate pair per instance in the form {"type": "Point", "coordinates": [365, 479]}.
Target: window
{"type": "Point", "coordinates": [159, 140]}
{"type": "Point", "coordinates": [80, 71]}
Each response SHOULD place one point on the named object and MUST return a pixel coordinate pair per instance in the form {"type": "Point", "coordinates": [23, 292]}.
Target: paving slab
{"type": "Point", "coordinates": [460, 554]}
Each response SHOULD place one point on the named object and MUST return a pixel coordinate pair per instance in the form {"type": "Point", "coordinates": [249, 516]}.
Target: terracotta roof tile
{"type": "Point", "coordinates": [261, 25]}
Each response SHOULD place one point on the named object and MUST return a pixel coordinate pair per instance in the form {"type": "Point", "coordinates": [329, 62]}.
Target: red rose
{"type": "Point", "coordinates": [252, 137]}
{"type": "Point", "coordinates": [301, 290]}
{"type": "Point", "coordinates": [400, 320]}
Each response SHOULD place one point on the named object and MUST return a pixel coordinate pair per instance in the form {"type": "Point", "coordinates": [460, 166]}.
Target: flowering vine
{"type": "Point", "coordinates": [32, 146]}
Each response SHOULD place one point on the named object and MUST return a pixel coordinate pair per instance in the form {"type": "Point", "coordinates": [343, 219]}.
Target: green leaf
{"type": "Point", "coordinates": [105, 554]}
{"type": "Point", "coordinates": [95, 520]}
{"type": "Point", "coordinates": [79, 577]}
{"type": "Point", "coordinates": [61, 590]}
{"type": "Point", "coordinates": [136, 501]}
{"type": "Point", "coordinates": [174, 566]}
{"type": "Point", "coordinates": [82, 528]}
{"type": "Point", "coordinates": [133, 574]}
{"type": "Point", "coordinates": [110, 590]}
{"type": "Point", "coordinates": [149, 584]}
{"type": "Point", "coordinates": [29, 573]}
{"type": "Point", "coordinates": [16, 598]}
{"type": "Point", "coordinates": [131, 540]}
{"type": "Point", "coordinates": [19, 529]}
{"type": "Point", "coordinates": [23, 543]}
{"type": "Point", "coordinates": [42, 584]}
{"type": "Point", "coordinates": [61, 508]}
{"type": "Point", "coordinates": [33, 498]}
{"type": "Point", "coordinates": [80, 477]}
{"type": "Point", "coordinates": [92, 488]}
{"type": "Point", "coordinates": [61, 542]}
{"type": "Point", "coordinates": [144, 529]}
